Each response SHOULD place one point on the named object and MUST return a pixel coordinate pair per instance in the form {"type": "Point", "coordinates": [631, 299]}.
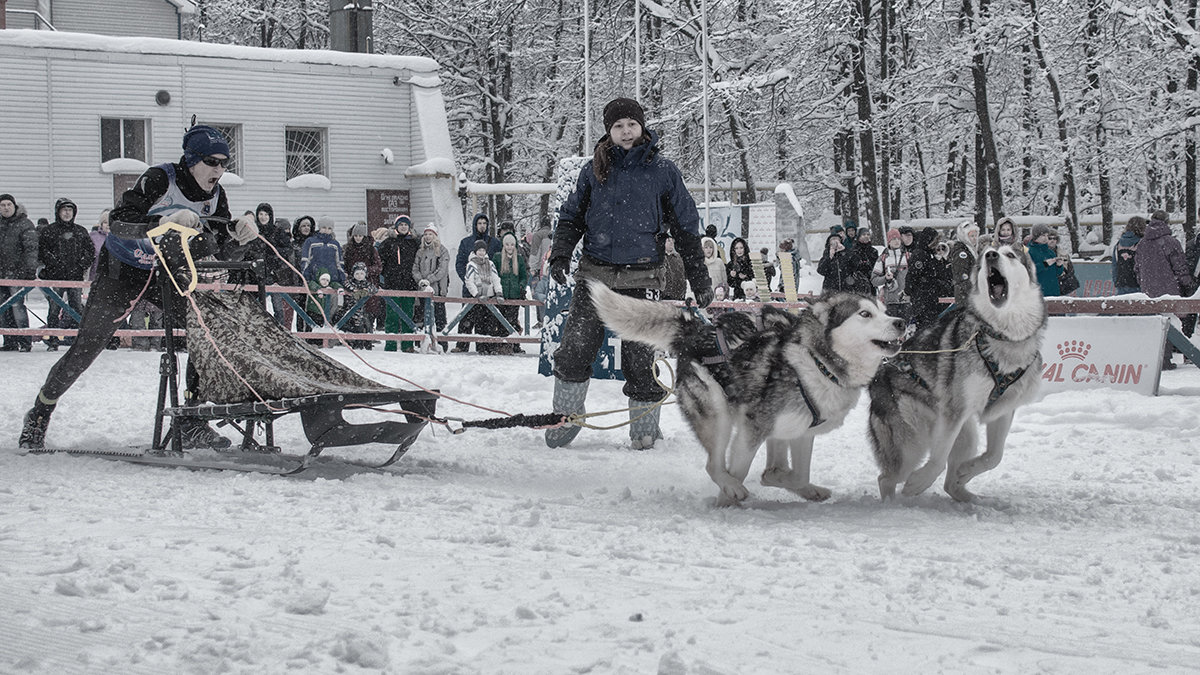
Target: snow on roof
{"type": "Point", "coordinates": [184, 6]}
{"type": "Point", "coordinates": [433, 167]}
{"type": "Point", "coordinates": [145, 45]}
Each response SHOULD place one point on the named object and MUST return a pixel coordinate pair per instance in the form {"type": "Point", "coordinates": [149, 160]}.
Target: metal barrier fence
{"type": "Point", "coordinates": [288, 296]}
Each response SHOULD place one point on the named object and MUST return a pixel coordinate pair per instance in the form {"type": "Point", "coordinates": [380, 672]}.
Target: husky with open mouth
{"type": "Point", "coordinates": [795, 378]}
{"type": "Point", "coordinates": [975, 365]}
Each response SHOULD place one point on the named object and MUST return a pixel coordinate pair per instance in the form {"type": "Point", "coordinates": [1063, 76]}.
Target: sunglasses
{"type": "Point", "coordinates": [214, 161]}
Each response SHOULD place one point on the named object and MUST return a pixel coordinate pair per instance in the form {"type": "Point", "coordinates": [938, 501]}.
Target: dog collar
{"type": "Point", "coordinates": [986, 329]}
{"type": "Point", "coordinates": [722, 349]}
{"type": "Point", "coordinates": [825, 371]}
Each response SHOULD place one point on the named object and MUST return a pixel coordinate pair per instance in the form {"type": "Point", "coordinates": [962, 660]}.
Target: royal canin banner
{"type": "Point", "coordinates": [1085, 352]}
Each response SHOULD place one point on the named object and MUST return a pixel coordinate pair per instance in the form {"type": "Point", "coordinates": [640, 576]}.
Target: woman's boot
{"type": "Point", "coordinates": [643, 423]}
{"type": "Point", "coordinates": [568, 400]}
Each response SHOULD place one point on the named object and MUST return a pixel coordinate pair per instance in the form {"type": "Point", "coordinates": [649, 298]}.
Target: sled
{"type": "Point", "coordinates": [253, 371]}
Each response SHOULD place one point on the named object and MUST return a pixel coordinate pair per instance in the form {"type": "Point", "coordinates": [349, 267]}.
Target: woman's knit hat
{"type": "Point", "coordinates": [621, 108]}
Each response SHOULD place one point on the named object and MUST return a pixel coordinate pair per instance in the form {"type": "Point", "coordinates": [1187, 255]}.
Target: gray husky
{"type": "Point", "coordinates": [795, 378]}
{"type": "Point", "coordinates": [975, 365]}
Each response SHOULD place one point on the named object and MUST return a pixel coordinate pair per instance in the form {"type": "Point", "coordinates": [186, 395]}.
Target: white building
{"type": "Point", "coordinates": [352, 136]}
{"type": "Point", "coordinates": [147, 18]}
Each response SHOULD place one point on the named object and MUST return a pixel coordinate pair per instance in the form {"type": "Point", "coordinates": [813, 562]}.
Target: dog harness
{"type": "Point", "coordinates": [812, 407]}
{"type": "Point", "coordinates": [906, 367]}
{"type": "Point", "coordinates": [1001, 381]}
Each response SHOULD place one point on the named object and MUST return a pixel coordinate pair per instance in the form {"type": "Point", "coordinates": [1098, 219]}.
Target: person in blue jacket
{"type": "Point", "coordinates": [322, 252]}
{"type": "Point", "coordinates": [627, 201]}
{"type": "Point", "coordinates": [1046, 260]}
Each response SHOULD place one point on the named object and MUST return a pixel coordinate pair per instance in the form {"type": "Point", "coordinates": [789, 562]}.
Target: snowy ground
{"type": "Point", "coordinates": [487, 552]}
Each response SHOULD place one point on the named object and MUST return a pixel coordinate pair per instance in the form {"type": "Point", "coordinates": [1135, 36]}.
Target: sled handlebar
{"type": "Point", "coordinates": [135, 230]}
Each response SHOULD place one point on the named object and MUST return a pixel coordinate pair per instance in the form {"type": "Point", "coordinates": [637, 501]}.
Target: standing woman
{"type": "Point", "coordinates": [739, 269]}
{"type": "Point", "coordinates": [835, 265]}
{"type": "Point", "coordinates": [890, 273]}
{"type": "Point", "coordinates": [397, 253]}
{"type": "Point", "coordinates": [514, 278]}
{"type": "Point", "coordinates": [1045, 260]}
{"type": "Point", "coordinates": [431, 269]}
{"type": "Point", "coordinates": [626, 202]}
{"type": "Point", "coordinates": [718, 276]}
{"type": "Point", "coordinates": [302, 229]}
{"type": "Point", "coordinates": [1006, 233]}
{"type": "Point", "coordinates": [1123, 256]}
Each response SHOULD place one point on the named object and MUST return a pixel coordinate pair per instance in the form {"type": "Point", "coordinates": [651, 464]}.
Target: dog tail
{"type": "Point", "coordinates": [657, 324]}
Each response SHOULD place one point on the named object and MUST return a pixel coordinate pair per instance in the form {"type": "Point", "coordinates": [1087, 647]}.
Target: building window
{"type": "Point", "coordinates": [233, 138]}
{"type": "Point", "coordinates": [123, 138]}
{"type": "Point", "coordinates": [305, 151]}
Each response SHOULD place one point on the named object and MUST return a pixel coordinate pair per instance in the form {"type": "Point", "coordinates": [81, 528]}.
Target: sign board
{"type": "Point", "coordinates": [384, 205]}
{"type": "Point", "coordinates": [1117, 352]}
{"type": "Point", "coordinates": [725, 217]}
{"type": "Point", "coordinates": [762, 230]}
{"type": "Point", "coordinates": [1095, 279]}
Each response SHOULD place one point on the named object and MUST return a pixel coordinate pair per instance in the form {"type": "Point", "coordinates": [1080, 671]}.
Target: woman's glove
{"type": "Point", "coordinates": [558, 270]}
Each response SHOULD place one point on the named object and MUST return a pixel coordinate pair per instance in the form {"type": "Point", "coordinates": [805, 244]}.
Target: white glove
{"type": "Point", "coordinates": [245, 229]}
{"type": "Point", "coordinates": [184, 217]}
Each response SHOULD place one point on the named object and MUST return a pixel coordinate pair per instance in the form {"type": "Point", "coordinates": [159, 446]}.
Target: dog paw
{"type": "Point", "coordinates": [920, 480]}
{"type": "Point", "coordinates": [787, 480]}
{"type": "Point", "coordinates": [732, 496]}
{"type": "Point", "coordinates": [959, 493]}
{"type": "Point", "coordinates": [813, 493]}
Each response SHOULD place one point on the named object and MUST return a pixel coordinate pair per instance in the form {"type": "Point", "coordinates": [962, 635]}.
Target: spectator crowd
{"type": "Point", "coordinates": [306, 252]}
{"type": "Point", "coordinates": [912, 272]}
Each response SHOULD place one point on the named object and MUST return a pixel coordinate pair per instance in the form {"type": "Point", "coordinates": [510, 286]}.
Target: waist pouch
{"type": "Point", "coordinates": [623, 276]}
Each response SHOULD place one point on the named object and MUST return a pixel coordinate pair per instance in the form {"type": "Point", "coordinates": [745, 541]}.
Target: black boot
{"type": "Point", "coordinates": [197, 434]}
{"type": "Point", "coordinates": [33, 434]}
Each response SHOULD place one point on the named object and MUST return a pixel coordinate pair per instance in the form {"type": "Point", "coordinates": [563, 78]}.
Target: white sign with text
{"type": "Point", "coordinates": [1120, 352]}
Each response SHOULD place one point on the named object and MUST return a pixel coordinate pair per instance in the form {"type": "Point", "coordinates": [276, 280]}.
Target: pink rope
{"type": "Point", "coordinates": [343, 342]}
{"type": "Point", "coordinates": [139, 296]}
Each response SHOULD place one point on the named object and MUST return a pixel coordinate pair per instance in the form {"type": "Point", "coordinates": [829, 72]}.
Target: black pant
{"type": "Point", "coordinates": [116, 287]}
{"type": "Point", "coordinates": [14, 317]}
{"type": "Point", "coordinates": [573, 358]}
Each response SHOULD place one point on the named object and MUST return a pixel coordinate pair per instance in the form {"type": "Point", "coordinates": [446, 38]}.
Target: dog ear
{"type": "Point", "coordinates": [821, 308]}
{"type": "Point", "coordinates": [773, 317]}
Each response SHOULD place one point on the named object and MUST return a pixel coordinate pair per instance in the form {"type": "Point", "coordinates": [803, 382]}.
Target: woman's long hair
{"type": "Point", "coordinates": [602, 160]}
{"type": "Point", "coordinates": [509, 263]}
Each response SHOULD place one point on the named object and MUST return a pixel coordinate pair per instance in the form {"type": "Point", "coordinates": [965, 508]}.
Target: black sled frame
{"type": "Point", "coordinates": [321, 415]}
